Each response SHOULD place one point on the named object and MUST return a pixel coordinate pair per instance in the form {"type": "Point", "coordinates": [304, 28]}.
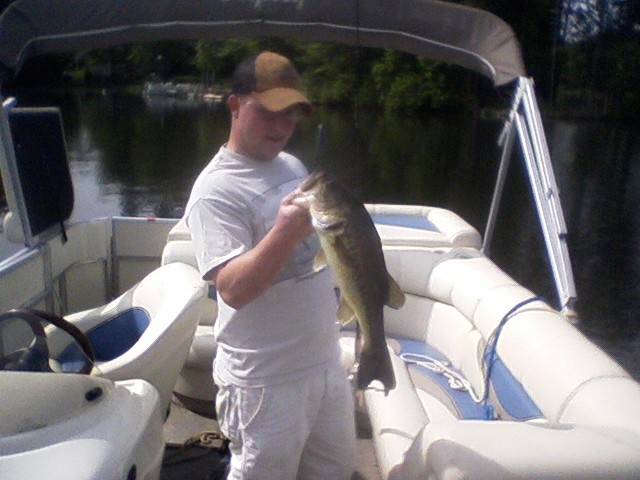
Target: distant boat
{"type": "Point", "coordinates": [170, 89]}
{"type": "Point", "coordinates": [212, 97]}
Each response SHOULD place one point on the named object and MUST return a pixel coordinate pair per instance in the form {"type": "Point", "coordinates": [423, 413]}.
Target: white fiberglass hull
{"type": "Point", "coordinates": [62, 426]}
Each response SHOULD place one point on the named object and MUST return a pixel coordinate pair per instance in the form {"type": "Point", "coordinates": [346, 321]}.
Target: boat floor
{"type": "Point", "coordinates": [185, 458]}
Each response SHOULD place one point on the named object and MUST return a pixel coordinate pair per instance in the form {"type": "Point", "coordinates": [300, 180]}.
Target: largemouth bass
{"type": "Point", "coordinates": [352, 248]}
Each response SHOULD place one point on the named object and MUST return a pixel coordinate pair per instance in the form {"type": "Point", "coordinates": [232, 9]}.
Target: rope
{"type": "Point", "coordinates": [456, 380]}
{"type": "Point", "coordinates": [490, 353]}
{"type": "Point", "coordinates": [207, 441]}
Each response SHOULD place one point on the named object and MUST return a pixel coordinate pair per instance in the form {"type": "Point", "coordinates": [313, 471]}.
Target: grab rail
{"type": "Point", "coordinates": [525, 116]}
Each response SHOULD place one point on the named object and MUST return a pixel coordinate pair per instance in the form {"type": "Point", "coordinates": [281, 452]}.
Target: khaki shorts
{"type": "Point", "coordinates": [299, 430]}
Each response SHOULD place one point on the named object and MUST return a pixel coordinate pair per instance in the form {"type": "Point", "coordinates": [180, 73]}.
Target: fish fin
{"type": "Point", "coordinates": [375, 364]}
{"type": "Point", "coordinates": [345, 313]}
{"type": "Point", "coordinates": [320, 261]}
{"type": "Point", "coordinates": [396, 295]}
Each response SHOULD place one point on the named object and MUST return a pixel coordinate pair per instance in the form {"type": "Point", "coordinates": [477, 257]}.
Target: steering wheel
{"type": "Point", "coordinates": [35, 357]}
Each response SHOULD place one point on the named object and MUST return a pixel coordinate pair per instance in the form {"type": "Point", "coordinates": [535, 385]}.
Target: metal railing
{"type": "Point", "coordinates": [525, 117]}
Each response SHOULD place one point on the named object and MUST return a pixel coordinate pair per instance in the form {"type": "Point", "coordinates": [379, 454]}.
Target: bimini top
{"type": "Point", "coordinates": [432, 29]}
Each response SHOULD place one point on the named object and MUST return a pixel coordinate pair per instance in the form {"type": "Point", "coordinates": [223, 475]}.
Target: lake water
{"type": "Point", "coordinates": [133, 157]}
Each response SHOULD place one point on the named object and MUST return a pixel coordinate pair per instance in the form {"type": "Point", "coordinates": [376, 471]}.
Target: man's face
{"type": "Point", "coordinates": [259, 133]}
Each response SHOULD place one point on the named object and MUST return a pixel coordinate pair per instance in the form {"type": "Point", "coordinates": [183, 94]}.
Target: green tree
{"type": "Point", "coordinates": [598, 59]}
{"type": "Point", "coordinates": [330, 73]}
{"type": "Point", "coordinates": [216, 60]}
{"type": "Point", "coordinates": [404, 82]}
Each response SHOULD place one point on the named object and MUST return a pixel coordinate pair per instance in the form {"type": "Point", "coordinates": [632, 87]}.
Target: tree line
{"type": "Point", "coordinates": [583, 54]}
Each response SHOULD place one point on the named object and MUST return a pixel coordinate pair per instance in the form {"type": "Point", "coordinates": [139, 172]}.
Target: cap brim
{"type": "Point", "coordinates": [281, 98]}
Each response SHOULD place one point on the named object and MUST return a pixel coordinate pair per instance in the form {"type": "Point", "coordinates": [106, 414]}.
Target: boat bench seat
{"type": "Point", "coordinates": [397, 225]}
{"type": "Point", "coordinates": [405, 224]}
{"type": "Point", "coordinates": [422, 226]}
{"type": "Point", "coordinates": [544, 386]}
{"type": "Point", "coordinates": [195, 381]}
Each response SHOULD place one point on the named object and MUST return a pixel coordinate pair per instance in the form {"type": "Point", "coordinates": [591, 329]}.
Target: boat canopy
{"type": "Point", "coordinates": [432, 29]}
{"type": "Point", "coordinates": [437, 30]}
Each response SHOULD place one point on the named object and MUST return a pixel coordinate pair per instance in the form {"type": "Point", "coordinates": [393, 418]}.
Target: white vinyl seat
{"type": "Point", "coordinates": [195, 386]}
{"type": "Point", "coordinates": [397, 226]}
{"type": "Point", "coordinates": [147, 331]}
{"type": "Point", "coordinates": [549, 415]}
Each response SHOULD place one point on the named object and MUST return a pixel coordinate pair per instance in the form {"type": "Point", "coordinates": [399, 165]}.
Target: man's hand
{"type": "Point", "coordinates": [293, 216]}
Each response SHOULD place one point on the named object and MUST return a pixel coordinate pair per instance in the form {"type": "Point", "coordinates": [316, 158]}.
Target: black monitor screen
{"type": "Point", "coordinates": [43, 169]}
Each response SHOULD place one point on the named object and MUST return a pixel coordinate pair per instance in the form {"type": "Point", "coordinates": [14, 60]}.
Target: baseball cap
{"type": "Point", "coordinates": [272, 80]}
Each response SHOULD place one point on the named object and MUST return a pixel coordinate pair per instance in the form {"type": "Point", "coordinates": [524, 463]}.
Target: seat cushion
{"type": "Point", "coordinates": [433, 374]}
{"type": "Point", "coordinates": [118, 334]}
{"type": "Point", "coordinates": [111, 338]}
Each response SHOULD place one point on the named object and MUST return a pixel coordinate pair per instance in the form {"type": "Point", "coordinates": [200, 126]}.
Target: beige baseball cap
{"type": "Point", "coordinates": [272, 80]}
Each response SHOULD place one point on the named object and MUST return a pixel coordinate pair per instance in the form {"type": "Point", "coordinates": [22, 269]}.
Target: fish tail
{"type": "Point", "coordinates": [375, 364]}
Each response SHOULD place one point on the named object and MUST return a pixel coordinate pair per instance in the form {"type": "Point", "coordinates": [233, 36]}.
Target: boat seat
{"type": "Point", "coordinates": [396, 224]}
{"type": "Point", "coordinates": [146, 332]}
{"type": "Point", "coordinates": [422, 226]}
{"type": "Point", "coordinates": [195, 386]}
{"type": "Point", "coordinates": [544, 387]}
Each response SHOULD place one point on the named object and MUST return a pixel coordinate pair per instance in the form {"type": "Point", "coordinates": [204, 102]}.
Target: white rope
{"type": "Point", "coordinates": [455, 379]}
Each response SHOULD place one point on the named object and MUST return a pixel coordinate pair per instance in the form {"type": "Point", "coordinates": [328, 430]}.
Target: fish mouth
{"type": "Point", "coordinates": [328, 224]}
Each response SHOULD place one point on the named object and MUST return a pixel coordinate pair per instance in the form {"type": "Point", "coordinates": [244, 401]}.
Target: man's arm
{"type": "Point", "coordinates": [247, 276]}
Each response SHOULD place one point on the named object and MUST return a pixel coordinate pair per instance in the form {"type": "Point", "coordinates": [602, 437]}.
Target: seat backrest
{"type": "Point", "coordinates": [156, 321]}
{"type": "Point", "coordinates": [179, 248]}
{"type": "Point", "coordinates": [456, 300]}
{"type": "Point", "coordinates": [179, 251]}
{"type": "Point", "coordinates": [126, 327]}
{"type": "Point", "coordinates": [179, 231]}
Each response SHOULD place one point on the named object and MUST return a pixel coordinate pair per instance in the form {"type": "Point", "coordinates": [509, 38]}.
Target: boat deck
{"type": "Point", "coordinates": [184, 460]}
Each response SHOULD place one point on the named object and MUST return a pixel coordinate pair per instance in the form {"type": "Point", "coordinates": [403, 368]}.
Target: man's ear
{"type": "Point", "coordinates": [233, 103]}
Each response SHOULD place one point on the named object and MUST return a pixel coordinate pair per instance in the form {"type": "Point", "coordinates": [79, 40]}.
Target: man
{"type": "Point", "coordinates": [284, 399]}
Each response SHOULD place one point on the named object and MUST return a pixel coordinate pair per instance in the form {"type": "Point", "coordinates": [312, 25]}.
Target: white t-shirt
{"type": "Point", "coordinates": [290, 329]}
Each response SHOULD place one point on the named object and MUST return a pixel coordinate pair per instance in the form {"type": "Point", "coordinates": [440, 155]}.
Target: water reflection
{"type": "Point", "coordinates": [604, 218]}
{"type": "Point", "coordinates": [138, 159]}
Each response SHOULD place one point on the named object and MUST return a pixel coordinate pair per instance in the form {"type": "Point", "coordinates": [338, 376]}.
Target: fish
{"type": "Point", "coordinates": [351, 247]}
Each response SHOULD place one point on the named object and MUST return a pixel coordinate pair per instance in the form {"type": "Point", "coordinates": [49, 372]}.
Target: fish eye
{"type": "Point", "coordinates": [310, 182]}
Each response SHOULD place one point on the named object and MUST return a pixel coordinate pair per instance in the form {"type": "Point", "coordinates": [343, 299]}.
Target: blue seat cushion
{"type": "Point", "coordinates": [118, 334]}
{"type": "Point", "coordinates": [408, 221]}
{"type": "Point", "coordinates": [458, 401]}
{"type": "Point", "coordinates": [509, 399]}
{"type": "Point", "coordinates": [111, 338]}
